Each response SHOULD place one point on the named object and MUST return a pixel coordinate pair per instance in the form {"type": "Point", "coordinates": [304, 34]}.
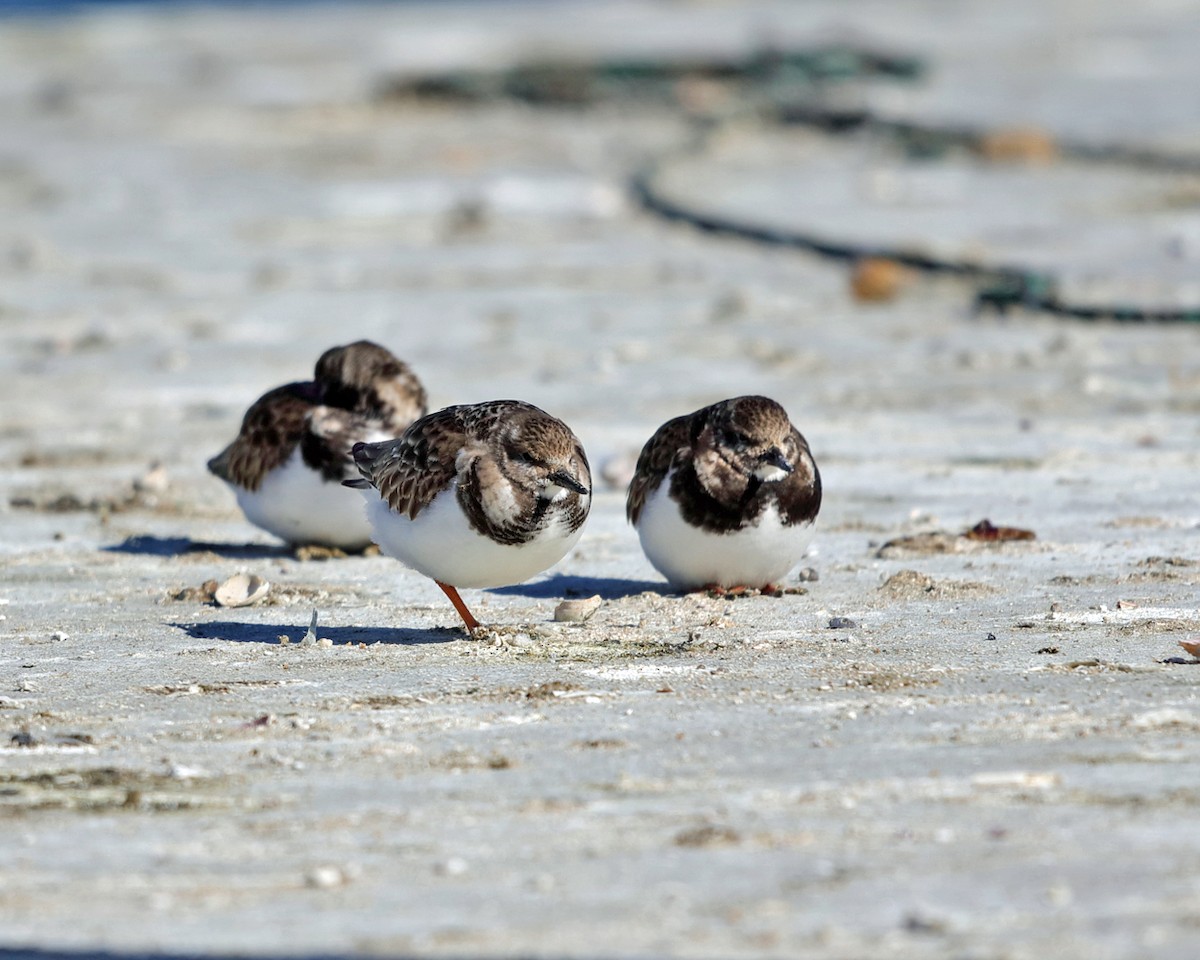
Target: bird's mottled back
{"type": "Point", "coordinates": [271, 429]}
{"type": "Point", "coordinates": [505, 455]}
{"type": "Point", "coordinates": [368, 379]}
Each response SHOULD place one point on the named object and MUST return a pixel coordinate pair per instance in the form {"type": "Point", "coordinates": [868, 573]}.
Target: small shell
{"type": "Point", "coordinates": [576, 611]}
{"type": "Point", "coordinates": [241, 590]}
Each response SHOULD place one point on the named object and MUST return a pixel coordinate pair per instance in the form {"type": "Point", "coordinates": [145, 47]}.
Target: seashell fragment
{"type": "Point", "coordinates": [241, 590]}
{"type": "Point", "coordinates": [576, 611]}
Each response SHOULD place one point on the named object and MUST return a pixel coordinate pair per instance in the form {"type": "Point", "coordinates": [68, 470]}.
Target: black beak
{"type": "Point", "coordinates": [775, 458]}
{"type": "Point", "coordinates": [564, 479]}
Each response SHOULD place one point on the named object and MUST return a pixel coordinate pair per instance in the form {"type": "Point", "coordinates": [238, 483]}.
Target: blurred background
{"type": "Point", "coordinates": [198, 199]}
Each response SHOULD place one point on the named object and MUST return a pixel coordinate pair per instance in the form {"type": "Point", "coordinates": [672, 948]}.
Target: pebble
{"type": "Point", "coordinates": [877, 280]}
{"type": "Point", "coordinates": [325, 878]}
{"type": "Point", "coordinates": [452, 867]}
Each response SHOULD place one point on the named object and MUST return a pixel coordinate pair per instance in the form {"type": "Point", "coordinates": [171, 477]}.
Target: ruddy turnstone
{"type": "Point", "coordinates": [478, 495]}
{"type": "Point", "coordinates": [293, 451]}
{"type": "Point", "coordinates": [725, 496]}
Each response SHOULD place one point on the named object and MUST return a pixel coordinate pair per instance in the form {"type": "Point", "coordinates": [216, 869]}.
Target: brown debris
{"type": "Point", "coordinates": [546, 691]}
{"type": "Point", "coordinates": [913, 585]}
{"type": "Point", "coordinates": [708, 835]}
{"type": "Point", "coordinates": [878, 280]}
{"type": "Point", "coordinates": [740, 593]}
{"type": "Point", "coordinates": [937, 541]}
{"type": "Point", "coordinates": [317, 551]}
{"type": "Point", "coordinates": [201, 594]}
{"type": "Point", "coordinates": [1018, 145]}
{"type": "Point", "coordinates": [908, 583]}
{"type": "Point", "coordinates": [986, 530]}
{"type": "Point", "coordinates": [941, 541]}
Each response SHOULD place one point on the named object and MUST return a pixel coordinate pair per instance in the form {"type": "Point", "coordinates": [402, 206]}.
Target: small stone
{"type": "Point", "coordinates": [878, 280]}
{"type": "Point", "coordinates": [808, 575]}
{"type": "Point", "coordinates": [452, 867]}
{"type": "Point", "coordinates": [841, 623]}
{"type": "Point", "coordinates": [325, 878]}
{"type": "Point", "coordinates": [58, 635]}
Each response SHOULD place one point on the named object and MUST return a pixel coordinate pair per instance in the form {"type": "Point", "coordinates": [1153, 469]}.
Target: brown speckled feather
{"type": "Point", "coordinates": [370, 380]}
{"type": "Point", "coordinates": [712, 483]}
{"type": "Point", "coordinates": [271, 428]}
{"type": "Point", "coordinates": [414, 468]}
{"type": "Point", "coordinates": [468, 443]}
{"type": "Point", "coordinates": [669, 444]}
{"type": "Point", "coordinates": [359, 390]}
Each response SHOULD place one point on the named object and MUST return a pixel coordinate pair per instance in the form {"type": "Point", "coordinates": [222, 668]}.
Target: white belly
{"type": "Point", "coordinates": [441, 544]}
{"type": "Point", "coordinates": [690, 557]}
{"type": "Point", "coordinates": [295, 503]}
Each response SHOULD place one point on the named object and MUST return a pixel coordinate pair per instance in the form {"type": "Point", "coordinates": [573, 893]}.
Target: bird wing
{"type": "Point", "coordinates": [669, 442]}
{"type": "Point", "coordinates": [414, 468]}
{"type": "Point", "coordinates": [270, 430]}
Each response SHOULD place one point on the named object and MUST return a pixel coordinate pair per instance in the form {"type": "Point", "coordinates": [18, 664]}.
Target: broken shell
{"type": "Point", "coordinates": [241, 590]}
{"type": "Point", "coordinates": [576, 611]}
{"type": "Point", "coordinates": [1192, 647]}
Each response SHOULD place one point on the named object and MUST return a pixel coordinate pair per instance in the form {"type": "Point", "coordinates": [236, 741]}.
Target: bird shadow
{"type": "Point", "coordinates": [177, 546]}
{"type": "Point", "coordinates": [561, 585]}
{"type": "Point", "coordinates": [236, 632]}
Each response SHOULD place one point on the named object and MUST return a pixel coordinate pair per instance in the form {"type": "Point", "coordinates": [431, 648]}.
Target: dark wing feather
{"type": "Point", "coordinates": [329, 435]}
{"type": "Point", "coordinates": [799, 492]}
{"type": "Point", "coordinates": [271, 428]}
{"type": "Point", "coordinates": [669, 441]}
{"type": "Point", "coordinates": [414, 468]}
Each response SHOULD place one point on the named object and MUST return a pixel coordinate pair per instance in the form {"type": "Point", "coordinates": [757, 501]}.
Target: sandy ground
{"type": "Point", "coordinates": [986, 756]}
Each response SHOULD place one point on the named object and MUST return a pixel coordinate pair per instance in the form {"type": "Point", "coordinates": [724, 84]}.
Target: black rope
{"type": "Point", "coordinates": [767, 76]}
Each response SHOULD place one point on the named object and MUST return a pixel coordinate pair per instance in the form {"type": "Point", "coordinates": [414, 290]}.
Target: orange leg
{"type": "Point", "coordinates": [452, 593]}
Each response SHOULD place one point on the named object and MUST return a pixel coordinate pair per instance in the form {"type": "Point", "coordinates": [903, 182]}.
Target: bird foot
{"type": "Point", "coordinates": [740, 591]}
